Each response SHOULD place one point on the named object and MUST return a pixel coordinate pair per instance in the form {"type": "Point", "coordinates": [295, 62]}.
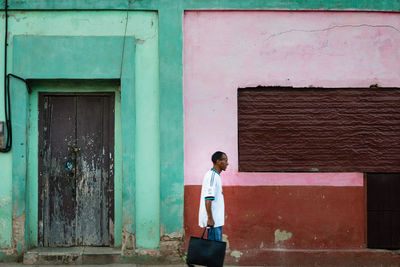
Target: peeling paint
{"type": "Point", "coordinates": [128, 243]}
{"type": "Point", "coordinates": [172, 250]}
{"type": "Point", "coordinates": [5, 211]}
{"type": "Point", "coordinates": [151, 253]}
{"type": "Point", "coordinates": [236, 254]}
{"type": "Point", "coordinates": [172, 245]}
{"type": "Point", "coordinates": [18, 228]}
{"type": "Point", "coordinates": [111, 229]}
{"type": "Point", "coordinates": [139, 41]}
{"type": "Point", "coordinates": [172, 236]}
{"type": "Point", "coordinates": [225, 239]}
{"type": "Point", "coordinates": [282, 235]}
{"type": "Point", "coordinates": [3, 225]}
{"type": "Point", "coordinates": [7, 252]}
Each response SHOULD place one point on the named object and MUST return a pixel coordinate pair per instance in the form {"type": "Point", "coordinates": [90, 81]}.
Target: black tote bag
{"type": "Point", "coordinates": [206, 252]}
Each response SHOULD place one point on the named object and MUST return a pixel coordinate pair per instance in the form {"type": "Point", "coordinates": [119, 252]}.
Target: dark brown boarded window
{"type": "Point", "coordinates": [319, 129]}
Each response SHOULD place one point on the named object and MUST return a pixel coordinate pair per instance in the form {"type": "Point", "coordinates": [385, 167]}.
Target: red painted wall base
{"type": "Point", "coordinates": [331, 257]}
{"type": "Point", "coordinates": [267, 224]}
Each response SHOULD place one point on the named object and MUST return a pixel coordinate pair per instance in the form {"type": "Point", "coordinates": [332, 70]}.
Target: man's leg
{"type": "Point", "coordinates": [210, 233]}
{"type": "Point", "coordinates": [214, 233]}
{"type": "Point", "coordinates": [218, 233]}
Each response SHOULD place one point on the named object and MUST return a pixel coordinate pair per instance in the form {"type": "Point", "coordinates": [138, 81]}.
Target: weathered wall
{"type": "Point", "coordinates": [143, 26]}
{"type": "Point", "coordinates": [224, 51]}
{"type": "Point", "coordinates": [112, 21]}
{"type": "Point", "coordinates": [170, 75]}
{"type": "Point", "coordinates": [285, 217]}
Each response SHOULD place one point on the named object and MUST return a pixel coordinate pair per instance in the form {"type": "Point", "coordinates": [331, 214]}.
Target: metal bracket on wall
{"type": "Point", "coordinates": [2, 134]}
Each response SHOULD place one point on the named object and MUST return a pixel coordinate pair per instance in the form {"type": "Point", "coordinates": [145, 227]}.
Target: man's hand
{"type": "Point", "coordinates": [210, 222]}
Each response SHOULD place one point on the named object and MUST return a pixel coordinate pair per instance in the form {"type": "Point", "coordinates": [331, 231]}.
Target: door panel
{"type": "Point", "coordinates": [76, 148]}
{"type": "Point", "coordinates": [395, 229]}
{"type": "Point", "coordinates": [58, 131]}
{"type": "Point", "coordinates": [94, 165]}
{"type": "Point", "coordinates": [383, 215]}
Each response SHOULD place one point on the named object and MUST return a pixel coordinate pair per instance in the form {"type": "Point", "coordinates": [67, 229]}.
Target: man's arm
{"type": "Point", "coordinates": [210, 221]}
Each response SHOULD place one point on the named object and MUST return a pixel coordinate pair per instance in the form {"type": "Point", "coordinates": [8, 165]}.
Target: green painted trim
{"type": "Point", "coordinates": [118, 177]}
{"type": "Point", "coordinates": [128, 118]}
{"type": "Point", "coordinates": [19, 111]}
{"type": "Point", "coordinates": [23, 47]}
{"type": "Point", "coordinates": [32, 178]}
{"type": "Point", "coordinates": [70, 57]}
{"type": "Point", "coordinates": [147, 164]}
{"type": "Point", "coordinates": [75, 86]}
{"type": "Point", "coordinates": [147, 153]}
{"type": "Point", "coordinates": [171, 119]}
{"type": "Point", "coordinates": [382, 5]}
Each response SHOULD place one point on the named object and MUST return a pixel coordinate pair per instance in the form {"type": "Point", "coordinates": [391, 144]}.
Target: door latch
{"type": "Point", "coordinates": [68, 166]}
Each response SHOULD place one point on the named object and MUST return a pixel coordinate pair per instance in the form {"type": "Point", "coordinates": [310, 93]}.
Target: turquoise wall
{"type": "Point", "coordinates": [383, 5]}
{"type": "Point", "coordinates": [158, 72]}
{"type": "Point", "coordinates": [81, 52]}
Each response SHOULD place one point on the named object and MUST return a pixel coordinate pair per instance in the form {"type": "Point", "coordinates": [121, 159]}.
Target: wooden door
{"type": "Point", "coordinates": [76, 176]}
{"type": "Point", "coordinates": [383, 215]}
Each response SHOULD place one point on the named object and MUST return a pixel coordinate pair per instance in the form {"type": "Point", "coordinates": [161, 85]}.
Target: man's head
{"type": "Point", "coordinates": [220, 161]}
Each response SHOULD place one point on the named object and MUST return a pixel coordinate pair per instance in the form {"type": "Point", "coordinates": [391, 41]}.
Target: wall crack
{"type": "Point", "coordinates": [332, 28]}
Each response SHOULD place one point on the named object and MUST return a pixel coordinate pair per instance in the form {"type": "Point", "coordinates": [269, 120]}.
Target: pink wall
{"type": "Point", "coordinates": [226, 50]}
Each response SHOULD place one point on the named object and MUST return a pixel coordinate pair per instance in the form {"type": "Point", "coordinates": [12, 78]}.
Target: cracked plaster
{"type": "Point", "coordinates": [331, 28]}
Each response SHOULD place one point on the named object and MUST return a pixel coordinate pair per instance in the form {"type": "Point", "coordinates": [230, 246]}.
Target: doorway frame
{"type": "Point", "coordinates": [72, 88]}
{"type": "Point", "coordinates": [89, 59]}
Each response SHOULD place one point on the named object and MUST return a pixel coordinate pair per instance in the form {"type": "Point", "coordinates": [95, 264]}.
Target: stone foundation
{"type": "Point", "coordinates": [172, 248]}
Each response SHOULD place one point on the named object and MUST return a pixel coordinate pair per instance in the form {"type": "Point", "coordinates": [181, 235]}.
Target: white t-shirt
{"type": "Point", "coordinates": [212, 189]}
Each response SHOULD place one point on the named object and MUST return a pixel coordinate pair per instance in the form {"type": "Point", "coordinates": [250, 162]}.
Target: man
{"type": "Point", "coordinates": [212, 207]}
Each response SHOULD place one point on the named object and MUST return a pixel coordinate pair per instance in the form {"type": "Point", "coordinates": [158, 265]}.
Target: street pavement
{"type": "Point", "coordinates": [106, 265]}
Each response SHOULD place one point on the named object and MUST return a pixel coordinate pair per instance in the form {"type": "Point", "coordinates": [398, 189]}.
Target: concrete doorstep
{"type": "Point", "coordinates": [73, 255]}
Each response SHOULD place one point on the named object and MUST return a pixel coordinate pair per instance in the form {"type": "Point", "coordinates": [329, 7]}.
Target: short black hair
{"type": "Point", "coordinates": [217, 156]}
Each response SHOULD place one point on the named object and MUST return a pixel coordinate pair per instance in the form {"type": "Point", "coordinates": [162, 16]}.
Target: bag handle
{"type": "Point", "coordinates": [202, 236]}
